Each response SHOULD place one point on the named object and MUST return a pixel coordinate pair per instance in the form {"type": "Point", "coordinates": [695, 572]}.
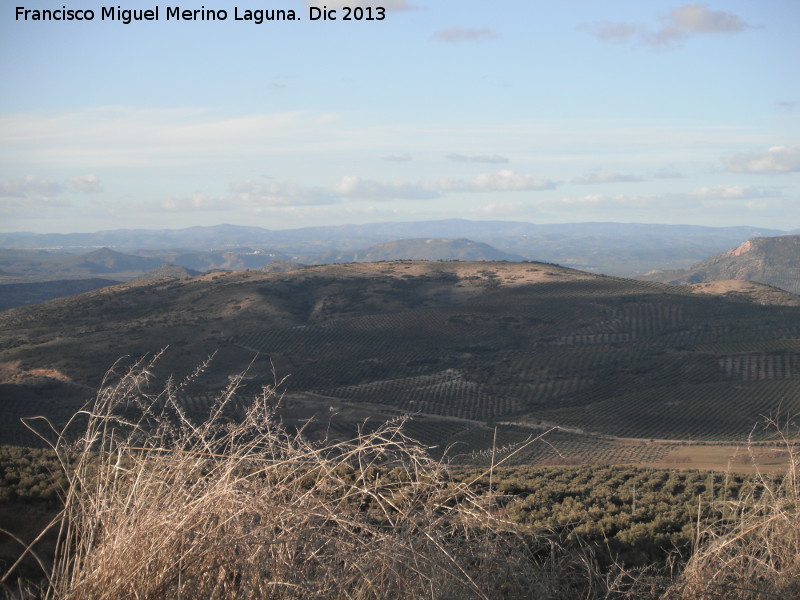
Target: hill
{"type": "Point", "coordinates": [105, 260]}
{"type": "Point", "coordinates": [420, 249]}
{"type": "Point", "coordinates": [461, 346]}
{"type": "Point", "coordinates": [748, 290]}
{"type": "Point", "coordinates": [231, 259]}
{"type": "Point", "coordinates": [31, 276]}
{"type": "Point", "coordinates": [773, 261]}
{"type": "Point", "coordinates": [27, 266]}
{"type": "Point", "coordinates": [168, 271]}
{"type": "Point", "coordinates": [17, 294]}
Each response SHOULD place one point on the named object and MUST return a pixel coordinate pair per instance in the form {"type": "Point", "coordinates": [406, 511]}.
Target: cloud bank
{"type": "Point", "coordinates": [482, 158]}
{"type": "Point", "coordinates": [605, 177]}
{"type": "Point", "coordinates": [31, 186]}
{"type": "Point", "coordinates": [777, 159]}
{"type": "Point", "coordinates": [679, 24]}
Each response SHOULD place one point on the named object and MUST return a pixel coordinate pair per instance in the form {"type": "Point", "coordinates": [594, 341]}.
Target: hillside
{"type": "Point", "coordinates": [462, 346]}
{"type": "Point", "coordinates": [420, 249]}
{"type": "Point", "coordinates": [773, 261]}
{"type": "Point", "coordinates": [746, 290]}
{"type": "Point", "coordinates": [168, 271]}
{"type": "Point", "coordinates": [28, 266]}
{"type": "Point", "coordinates": [18, 294]}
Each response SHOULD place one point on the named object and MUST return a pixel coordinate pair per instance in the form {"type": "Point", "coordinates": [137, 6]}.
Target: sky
{"type": "Point", "coordinates": [546, 112]}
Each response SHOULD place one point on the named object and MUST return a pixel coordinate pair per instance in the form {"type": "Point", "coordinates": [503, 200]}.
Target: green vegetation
{"type": "Point", "coordinates": [160, 506]}
{"type": "Point", "coordinates": [634, 516]}
{"type": "Point", "coordinates": [30, 474]}
{"type": "Point", "coordinates": [158, 503]}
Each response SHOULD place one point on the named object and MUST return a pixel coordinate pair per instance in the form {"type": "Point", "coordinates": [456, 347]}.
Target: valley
{"type": "Point", "coordinates": [476, 355]}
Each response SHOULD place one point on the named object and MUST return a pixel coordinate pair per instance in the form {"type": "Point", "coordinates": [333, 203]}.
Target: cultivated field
{"type": "Point", "coordinates": [475, 353]}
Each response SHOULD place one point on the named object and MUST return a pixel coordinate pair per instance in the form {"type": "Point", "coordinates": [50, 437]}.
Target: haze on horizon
{"type": "Point", "coordinates": [658, 112]}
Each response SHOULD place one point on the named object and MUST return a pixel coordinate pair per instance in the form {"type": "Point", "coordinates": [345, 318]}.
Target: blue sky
{"type": "Point", "coordinates": [549, 112]}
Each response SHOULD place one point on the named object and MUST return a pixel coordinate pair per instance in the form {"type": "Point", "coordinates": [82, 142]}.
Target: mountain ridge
{"type": "Point", "coordinates": [773, 261]}
{"type": "Point", "coordinates": [612, 248]}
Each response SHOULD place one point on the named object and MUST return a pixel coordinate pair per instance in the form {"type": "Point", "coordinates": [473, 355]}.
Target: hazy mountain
{"type": "Point", "coordinates": [227, 260]}
{"type": "Point", "coordinates": [612, 248]}
{"type": "Point", "coordinates": [106, 260]}
{"type": "Point", "coordinates": [772, 261]}
{"type": "Point", "coordinates": [420, 249]}
{"type": "Point", "coordinates": [18, 266]}
{"type": "Point", "coordinates": [30, 276]}
{"type": "Point", "coordinates": [462, 346]}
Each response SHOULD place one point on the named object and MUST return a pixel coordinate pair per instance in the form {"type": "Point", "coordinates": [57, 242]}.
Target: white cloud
{"type": "Point", "coordinates": [597, 201]}
{"type": "Point", "coordinates": [365, 189]}
{"type": "Point", "coordinates": [734, 191]}
{"type": "Point", "coordinates": [463, 34]}
{"type": "Point", "coordinates": [481, 158]}
{"type": "Point", "coordinates": [507, 180]}
{"type": "Point", "coordinates": [679, 24]}
{"type": "Point", "coordinates": [605, 177]}
{"type": "Point", "coordinates": [777, 159]}
{"type": "Point", "coordinates": [608, 31]}
{"type": "Point", "coordinates": [30, 197]}
{"type": "Point", "coordinates": [194, 202]}
{"type": "Point", "coordinates": [504, 180]}
{"type": "Point", "coordinates": [703, 201]}
{"type": "Point", "coordinates": [504, 209]}
{"type": "Point", "coordinates": [254, 193]}
{"type": "Point", "coordinates": [130, 137]}
{"type": "Point", "coordinates": [696, 18]}
{"type": "Point", "coordinates": [86, 183]}
{"type": "Point", "coordinates": [29, 186]}
{"type": "Point", "coordinates": [253, 196]}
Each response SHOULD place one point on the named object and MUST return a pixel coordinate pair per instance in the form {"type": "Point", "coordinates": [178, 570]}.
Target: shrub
{"type": "Point", "coordinates": [237, 506]}
{"type": "Point", "coordinates": [753, 552]}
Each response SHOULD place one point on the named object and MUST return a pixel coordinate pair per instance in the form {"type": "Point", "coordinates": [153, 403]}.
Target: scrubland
{"type": "Point", "coordinates": [153, 502]}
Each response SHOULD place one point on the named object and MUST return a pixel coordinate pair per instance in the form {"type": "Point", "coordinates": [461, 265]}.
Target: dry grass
{"type": "Point", "coordinates": [753, 552]}
{"type": "Point", "coordinates": [160, 506]}
{"type": "Point", "coordinates": [236, 506]}
{"type": "Point", "coordinates": [725, 458]}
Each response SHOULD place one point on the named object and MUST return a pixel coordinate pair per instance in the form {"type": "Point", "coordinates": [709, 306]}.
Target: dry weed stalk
{"type": "Point", "coordinates": [164, 506]}
{"type": "Point", "coordinates": [754, 553]}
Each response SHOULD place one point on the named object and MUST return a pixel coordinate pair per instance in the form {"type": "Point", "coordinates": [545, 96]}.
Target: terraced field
{"type": "Point", "coordinates": [605, 356]}
{"type": "Point", "coordinates": [463, 348]}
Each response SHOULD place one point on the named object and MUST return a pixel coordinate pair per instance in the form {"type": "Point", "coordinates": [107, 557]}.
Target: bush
{"type": "Point", "coordinates": [236, 506]}
{"type": "Point", "coordinates": [753, 552]}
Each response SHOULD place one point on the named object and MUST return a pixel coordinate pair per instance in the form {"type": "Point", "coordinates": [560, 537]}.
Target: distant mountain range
{"type": "Point", "coordinates": [611, 248]}
{"type": "Point", "coordinates": [772, 261]}
{"type": "Point", "coordinates": [17, 265]}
